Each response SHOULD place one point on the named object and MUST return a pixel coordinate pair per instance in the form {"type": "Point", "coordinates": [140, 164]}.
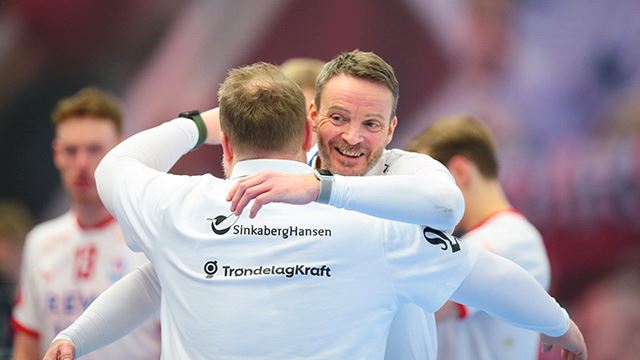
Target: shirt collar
{"type": "Point", "coordinates": [380, 166]}
{"type": "Point", "coordinates": [312, 156]}
{"type": "Point", "coordinates": [250, 167]}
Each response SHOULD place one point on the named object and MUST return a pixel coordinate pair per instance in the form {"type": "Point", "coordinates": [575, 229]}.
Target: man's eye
{"type": "Point", "coordinates": [94, 149]}
{"type": "Point", "coordinates": [70, 151]}
{"type": "Point", "coordinates": [373, 125]}
{"type": "Point", "coordinates": [336, 117]}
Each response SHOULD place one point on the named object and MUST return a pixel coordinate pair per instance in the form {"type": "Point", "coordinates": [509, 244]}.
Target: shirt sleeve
{"type": "Point", "coordinates": [427, 265]}
{"type": "Point", "coordinates": [126, 304]}
{"type": "Point", "coordinates": [419, 190]}
{"type": "Point", "coordinates": [26, 311]}
{"type": "Point", "coordinates": [132, 181]}
{"type": "Point", "coordinates": [506, 291]}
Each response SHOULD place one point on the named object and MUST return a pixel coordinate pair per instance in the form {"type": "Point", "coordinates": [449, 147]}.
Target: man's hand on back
{"type": "Point", "coordinates": [267, 187]}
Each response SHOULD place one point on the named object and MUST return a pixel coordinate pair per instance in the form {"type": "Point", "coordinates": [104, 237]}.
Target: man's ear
{"type": "Point", "coordinates": [461, 168]}
{"type": "Point", "coordinates": [227, 148]}
{"type": "Point", "coordinates": [313, 115]}
{"type": "Point", "coordinates": [308, 135]}
{"type": "Point", "coordinates": [55, 150]}
{"type": "Point", "coordinates": [392, 127]}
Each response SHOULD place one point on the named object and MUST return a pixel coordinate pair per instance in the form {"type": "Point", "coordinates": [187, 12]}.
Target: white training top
{"type": "Point", "coordinates": [421, 190]}
{"type": "Point", "coordinates": [426, 172]}
{"type": "Point", "coordinates": [480, 335]}
{"type": "Point", "coordinates": [65, 267]}
{"type": "Point", "coordinates": [413, 332]}
{"type": "Point", "coordinates": [297, 281]}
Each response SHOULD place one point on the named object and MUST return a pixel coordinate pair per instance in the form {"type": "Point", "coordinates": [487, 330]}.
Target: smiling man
{"type": "Point", "coordinates": [354, 117]}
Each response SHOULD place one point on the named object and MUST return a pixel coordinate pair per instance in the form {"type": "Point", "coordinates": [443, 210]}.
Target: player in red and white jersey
{"type": "Point", "coordinates": [70, 260]}
{"type": "Point", "coordinates": [66, 266]}
{"type": "Point", "coordinates": [465, 146]}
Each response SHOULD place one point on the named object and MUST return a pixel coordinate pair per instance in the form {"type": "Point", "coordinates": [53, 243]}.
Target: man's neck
{"type": "Point", "coordinates": [486, 199]}
{"type": "Point", "coordinates": [90, 214]}
{"type": "Point", "coordinates": [300, 156]}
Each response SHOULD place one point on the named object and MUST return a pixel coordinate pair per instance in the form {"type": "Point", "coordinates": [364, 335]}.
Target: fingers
{"type": "Point", "coordinates": [233, 190]}
{"type": "Point", "coordinates": [61, 351]}
{"type": "Point", "coordinates": [257, 205]}
{"type": "Point", "coordinates": [246, 190]}
{"type": "Point", "coordinates": [568, 355]}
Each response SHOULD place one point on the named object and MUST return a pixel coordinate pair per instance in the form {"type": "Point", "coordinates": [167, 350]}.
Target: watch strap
{"type": "Point", "coordinates": [326, 186]}
{"type": "Point", "coordinates": [195, 116]}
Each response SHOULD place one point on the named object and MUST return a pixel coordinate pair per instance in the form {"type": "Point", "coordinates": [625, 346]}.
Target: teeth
{"type": "Point", "coordinates": [349, 153]}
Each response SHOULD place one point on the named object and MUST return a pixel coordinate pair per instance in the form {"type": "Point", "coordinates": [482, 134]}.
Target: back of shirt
{"type": "Point", "coordinates": [295, 282]}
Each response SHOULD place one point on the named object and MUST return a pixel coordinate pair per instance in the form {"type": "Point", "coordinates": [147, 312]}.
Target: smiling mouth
{"type": "Point", "coordinates": [354, 154]}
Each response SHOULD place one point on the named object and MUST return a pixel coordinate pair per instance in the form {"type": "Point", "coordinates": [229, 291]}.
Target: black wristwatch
{"type": "Point", "coordinates": [197, 119]}
{"type": "Point", "coordinates": [326, 184]}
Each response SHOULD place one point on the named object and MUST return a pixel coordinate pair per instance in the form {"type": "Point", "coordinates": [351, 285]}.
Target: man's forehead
{"type": "Point", "coordinates": [343, 92]}
{"type": "Point", "coordinates": [86, 130]}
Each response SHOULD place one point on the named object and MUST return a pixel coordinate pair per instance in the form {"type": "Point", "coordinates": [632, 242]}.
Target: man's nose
{"type": "Point", "coordinates": [353, 134]}
{"type": "Point", "coordinates": [82, 159]}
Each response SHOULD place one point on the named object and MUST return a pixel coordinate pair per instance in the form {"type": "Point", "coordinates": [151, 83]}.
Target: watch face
{"type": "Point", "coordinates": [189, 114]}
{"type": "Point", "coordinates": [324, 172]}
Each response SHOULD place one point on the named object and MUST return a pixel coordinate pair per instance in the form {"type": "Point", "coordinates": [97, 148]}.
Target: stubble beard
{"type": "Point", "coordinates": [324, 150]}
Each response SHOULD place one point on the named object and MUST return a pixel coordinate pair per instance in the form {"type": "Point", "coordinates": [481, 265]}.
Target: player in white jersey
{"type": "Point", "coordinates": [465, 146]}
{"type": "Point", "coordinates": [353, 125]}
{"type": "Point", "coordinates": [293, 284]}
{"type": "Point", "coordinates": [69, 261]}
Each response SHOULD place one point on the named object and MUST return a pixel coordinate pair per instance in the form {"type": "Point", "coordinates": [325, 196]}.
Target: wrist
{"type": "Point", "coordinates": [194, 115]}
{"type": "Point", "coordinates": [326, 185]}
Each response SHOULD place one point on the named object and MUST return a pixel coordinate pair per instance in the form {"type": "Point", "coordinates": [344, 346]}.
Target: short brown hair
{"type": "Point", "coordinates": [361, 65]}
{"type": "Point", "coordinates": [89, 102]}
{"type": "Point", "coordinates": [459, 135]}
{"type": "Point", "coordinates": [262, 110]}
{"type": "Point", "coordinates": [302, 71]}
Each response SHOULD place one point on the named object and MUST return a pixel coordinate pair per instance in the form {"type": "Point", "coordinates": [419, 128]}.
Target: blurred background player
{"type": "Point", "coordinates": [70, 260]}
{"type": "Point", "coordinates": [465, 146]}
{"type": "Point", "coordinates": [304, 71]}
{"type": "Point", "coordinates": [15, 222]}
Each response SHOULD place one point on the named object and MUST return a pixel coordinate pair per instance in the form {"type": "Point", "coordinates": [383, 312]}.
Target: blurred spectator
{"type": "Point", "coordinates": [70, 260]}
{"type": "Point", "coordinates": [480, 49]}
{"type": "Point", "coordinates": [48, 49]}
{"type": "Point", "coordinates": [15, 222]}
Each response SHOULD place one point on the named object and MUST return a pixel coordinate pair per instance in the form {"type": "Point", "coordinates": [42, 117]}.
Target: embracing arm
{"type": "Point", "coordinates": [432, 200]}
{"type": "Point", "coordinates": [122, 307]}
{"type": "Point", "coordinates": [506, 291]}
{"type": "Point", "coordinates": [158, 148]}
{"type": "Point", "coordinates": [420, 192]}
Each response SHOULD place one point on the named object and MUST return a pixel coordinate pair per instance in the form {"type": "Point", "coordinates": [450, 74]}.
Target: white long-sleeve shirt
{"type": "Point", "coordinates": [80, 334]}
{"type": "Point", "coordinates": [299, 281]}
